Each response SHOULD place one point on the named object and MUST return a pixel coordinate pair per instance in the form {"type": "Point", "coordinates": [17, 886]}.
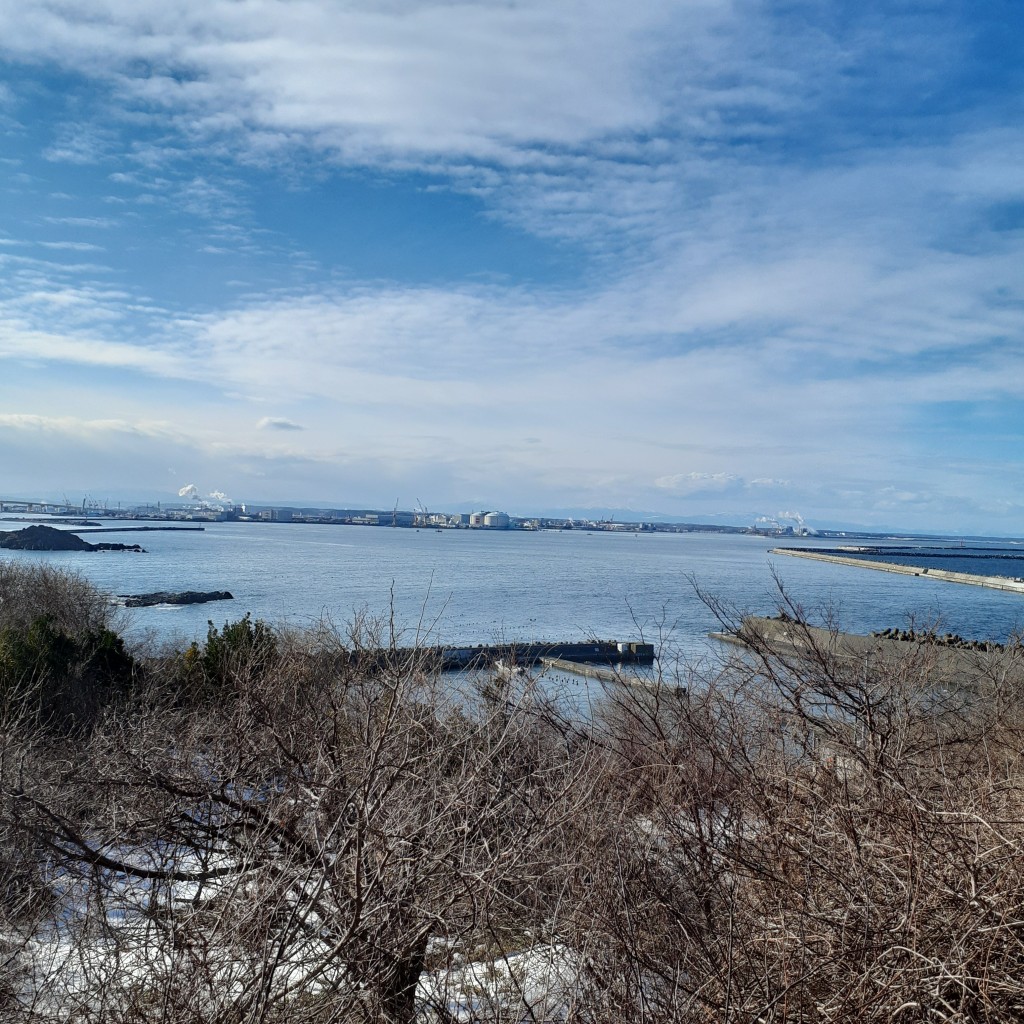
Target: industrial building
{"type": "Point", "coordinates": [489, 521]}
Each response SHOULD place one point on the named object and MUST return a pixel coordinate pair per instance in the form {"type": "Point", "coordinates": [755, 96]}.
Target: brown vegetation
{"type": "Point", "coordinates": [257, 830]}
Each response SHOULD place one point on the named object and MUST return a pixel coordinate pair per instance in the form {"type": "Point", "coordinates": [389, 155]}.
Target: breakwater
{"type": "Point", "coordinates": [524, 655]}
{"type": "Point", "coordinates": [610, 675]}
{"type": "Point", "coordinates": [1006, 583]}
{"type": "Point", "coordinates": [893, 650]}
{"type": "Point", "coordinates": [142, 529]}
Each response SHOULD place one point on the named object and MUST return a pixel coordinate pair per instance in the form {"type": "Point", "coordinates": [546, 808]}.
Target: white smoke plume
{"type": "Point", "coordinates": [219, 496]}
{"type": "Point", "coordinates": [777, 521]}
{"type": "Point", "coordinates": [189, 491]}
{"type": "Point", "coordinates": [795, 517]}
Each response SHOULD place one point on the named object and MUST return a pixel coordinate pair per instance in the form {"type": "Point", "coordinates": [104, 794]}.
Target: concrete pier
{"type": "Point", "coordinates": [608, 675]}
{"type": "Point", "coordinates": [943, 665]}
{"type": "Point", "coordinates": [993, 582]}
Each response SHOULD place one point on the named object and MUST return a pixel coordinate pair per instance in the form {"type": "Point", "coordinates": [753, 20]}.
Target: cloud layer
{"type": "Point", "coordinates": [784, 252]}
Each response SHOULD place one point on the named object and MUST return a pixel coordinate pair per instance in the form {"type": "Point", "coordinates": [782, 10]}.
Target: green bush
{"type": "Point", "coordinates": [242, 650]}
{"type": "Point", "coordinates": [61, 681]}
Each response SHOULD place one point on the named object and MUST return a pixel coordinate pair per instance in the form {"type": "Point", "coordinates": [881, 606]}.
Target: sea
{"type": "Point", "coordinates": [464, 587]}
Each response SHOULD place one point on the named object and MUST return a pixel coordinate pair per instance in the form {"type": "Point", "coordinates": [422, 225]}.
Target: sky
{"type": "Point", "coordinates": [709, 259]}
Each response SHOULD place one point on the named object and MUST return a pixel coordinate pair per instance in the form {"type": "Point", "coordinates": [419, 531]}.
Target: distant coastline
{"type": "Point", "coordinates": [87, 518]}
{"type": "Point", "coordinates": [418, 519]}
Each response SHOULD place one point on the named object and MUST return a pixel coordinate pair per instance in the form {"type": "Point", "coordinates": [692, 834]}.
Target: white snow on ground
{"type": "Point", "coordinates": [539, 984]}
{"type": "Point", "coordinates": [149, 936]}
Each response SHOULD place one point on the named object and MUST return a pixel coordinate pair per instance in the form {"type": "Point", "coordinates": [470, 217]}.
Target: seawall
{"type": "Point", "coordinates": [972, 579]}
{"type": "Point", "coordinates": [609, 675]}
{"type": "Point", "coordinates": [596, 652]}
{"type": "Point", "coordinates": [942, 665]}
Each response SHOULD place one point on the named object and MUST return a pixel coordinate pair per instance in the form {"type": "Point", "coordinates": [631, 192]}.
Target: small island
{"type": "Point", "coordinates": [46, 538]}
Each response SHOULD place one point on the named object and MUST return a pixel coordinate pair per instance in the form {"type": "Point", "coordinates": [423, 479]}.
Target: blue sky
{"type": "Point", "coordinates": [704, 258]}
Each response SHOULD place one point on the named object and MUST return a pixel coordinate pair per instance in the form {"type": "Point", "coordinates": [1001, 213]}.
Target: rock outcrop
{"type": "Point", "coordinates": [43, 538]}
{"type": "Point", "coordinates": [175, 597]}
{"type": "Point", "coordinates": [46, 538]}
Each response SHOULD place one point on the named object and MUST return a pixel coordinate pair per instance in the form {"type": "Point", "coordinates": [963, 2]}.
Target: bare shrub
{"type": "Point", "coordinates": [61, 662]}
{"type": "Point", "coordinates": [32, 591]}
{"type": "Point", "coordinates": [814, 837]}
{"type": "Point", "coordinates": [335, 832]}
{"type": "Point", "coordinates": [308, 849]}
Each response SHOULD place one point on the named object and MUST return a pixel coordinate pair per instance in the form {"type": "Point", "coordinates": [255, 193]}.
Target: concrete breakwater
{"type": "Point", "coordinates": [613, 676]}
{"type": "Point", "coordinates": [942, 664]}
{"type": "Point", "coordinates": [525, 655]}
{"type": "Point", "coordinates": [1015, 586]}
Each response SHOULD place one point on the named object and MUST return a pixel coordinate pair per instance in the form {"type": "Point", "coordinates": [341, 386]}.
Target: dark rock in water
{"type": "Point", "coordinates": [46, 538]}
{"type": "Point", "coordinates": [176, 597]}
{"type": "Point", "coordinates": [43, 538]}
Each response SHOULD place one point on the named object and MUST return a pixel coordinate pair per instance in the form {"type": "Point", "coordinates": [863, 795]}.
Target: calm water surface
{"type": "Point", "coordinates": [474, 587]}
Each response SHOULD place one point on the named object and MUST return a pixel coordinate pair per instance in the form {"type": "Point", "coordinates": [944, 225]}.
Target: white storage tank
{"type": "Point", "coordinates": [496, 521]}
{"type": "Point", "coordinates": [476, 519]}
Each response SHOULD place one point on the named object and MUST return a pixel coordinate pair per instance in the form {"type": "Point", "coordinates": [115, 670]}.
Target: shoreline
{"type": "Point", "coordinates": [1004, 583]}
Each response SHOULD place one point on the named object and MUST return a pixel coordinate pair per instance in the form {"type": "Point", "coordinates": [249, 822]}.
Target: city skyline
{"type": "Point", "coordinates": [705, 259]}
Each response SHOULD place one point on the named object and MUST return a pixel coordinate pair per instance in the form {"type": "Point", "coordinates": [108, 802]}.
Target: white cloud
{"type": "Point", "coordinates": [447, 78]}
{"type": "Point", "coordinates": [82, 222]}
{"type": "Point", "coordinates": [86, 429]}
{"type": "Point", "coordinates": [406, 372]}
{"type": "Point", "coordinates": [277, 423]}
{"type": "Point", "coordinates": [20, 342]}
{"type": "Point", "coordinates": [696, 483]}
{"type": "Point", "coordinates": [73, 246]}
{"type": "Point", "coordinates": [574, 119]}
{"type": "Point", "coordinates": [80, 143]}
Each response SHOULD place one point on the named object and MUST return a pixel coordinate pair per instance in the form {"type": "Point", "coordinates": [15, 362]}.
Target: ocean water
{"type": "Point", "coordinates": [469, 587]}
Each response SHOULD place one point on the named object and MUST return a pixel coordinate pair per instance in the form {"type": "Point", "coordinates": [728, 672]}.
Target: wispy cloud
{"type": "Point", "coordinates": [561, 114]}
{"type": "Point", "coordinates": [278, 423]}
{"type": "Point", "coordinates": [697, 483]}
{"type": "Point", "coordinates": [90, 429]}
{"type": "Point", "coordinates": [73, 246]}
{"type": "Point", "coordinates": [82, 222]}
{"type": "Point", "coordinates": [80, 143]}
